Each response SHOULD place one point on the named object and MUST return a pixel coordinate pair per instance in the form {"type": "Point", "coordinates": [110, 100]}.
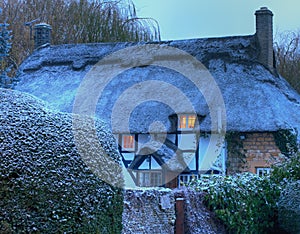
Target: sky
{"type": "Point", "coordinates": [185, 19]}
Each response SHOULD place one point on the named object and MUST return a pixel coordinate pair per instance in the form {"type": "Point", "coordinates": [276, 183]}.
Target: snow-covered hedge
{"type": "Point", "coordinates": [289, 207]}
{"type": "Point", "coordinates": [45, 187]}
{"type": "Point", "coordinates": [246, 203]}
{"type": "Point", "coordinates": [287, 175]}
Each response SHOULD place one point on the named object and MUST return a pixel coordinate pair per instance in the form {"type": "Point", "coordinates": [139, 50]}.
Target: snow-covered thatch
{"type": "Point", "coordinates": [255, 98]}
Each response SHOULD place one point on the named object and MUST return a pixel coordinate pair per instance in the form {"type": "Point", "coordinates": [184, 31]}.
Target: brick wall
{"type": "Point", "coordinates": [260, 150]}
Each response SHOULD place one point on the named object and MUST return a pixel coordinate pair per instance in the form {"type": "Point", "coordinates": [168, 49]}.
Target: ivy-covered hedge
{"type": "Point", "coordinates": [288, 170]}
{"type": "Point", "coordinates": [45, 186]}
{"type": "Point", "coordinates": [246, 203]}
{"type": "Point", "coordinates": [286, 141]}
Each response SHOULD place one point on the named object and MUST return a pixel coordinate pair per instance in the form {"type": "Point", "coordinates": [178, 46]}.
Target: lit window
{"type": "Point", "coordinates": [182, 122]}
{"type": "Point", "coordinates": [187, 121]}
{"type": "Point", "coordinates": [191, 121]}
{"type": "Point", "coordinates": [262, 171]}
{"type": "Point", "coordinates": [128, 142]}
{"type": "Point", "coordinates": [150, 178]}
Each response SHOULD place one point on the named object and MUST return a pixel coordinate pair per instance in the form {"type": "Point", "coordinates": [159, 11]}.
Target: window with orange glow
{"type": "Point", "coordinates": [182, 123]}
{"type": "Point", "coordinates": [128, 142]}
{"type": "Point", "coordinates": [191, 121]}
{"type": "Point", "coordinates": [187, 121]}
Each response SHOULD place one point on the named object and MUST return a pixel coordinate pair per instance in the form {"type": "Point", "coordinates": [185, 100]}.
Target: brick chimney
{"type": "Point", "coordinates": [42, 35]}
{"type": "Point", "coordinates": [264, 34]}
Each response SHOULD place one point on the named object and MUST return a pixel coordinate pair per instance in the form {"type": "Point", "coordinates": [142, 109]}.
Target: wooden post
{"type": "Point", "coordinates": [179, 225]}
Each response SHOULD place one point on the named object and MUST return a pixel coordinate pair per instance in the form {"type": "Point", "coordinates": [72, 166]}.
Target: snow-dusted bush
{"type": "Point", "coordinates": [289, 207]}
{"type": "Point", "coordinates": [45, 186]}
{"type": "Point", "coordinates": [287, 176]}
{"type": "Point", "coordinates": [246, 203]}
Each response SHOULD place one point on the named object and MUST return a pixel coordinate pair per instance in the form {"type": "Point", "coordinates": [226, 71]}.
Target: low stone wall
{"type": "Point", "coordinates": [153, 211]}
{"type": "Point", "coordinates": [149, 211]}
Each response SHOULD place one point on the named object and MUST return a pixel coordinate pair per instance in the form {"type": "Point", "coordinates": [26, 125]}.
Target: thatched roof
{"type": "Point", "coordinates": [255, 98]}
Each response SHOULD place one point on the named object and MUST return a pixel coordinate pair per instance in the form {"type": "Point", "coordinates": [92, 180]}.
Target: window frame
{"type": "Point", "coordinates": [128, 149]}
{"type": "Point", "coordinates": [186, 178]}
{"type": "Point", "coordinates": [187, 121]}
{"type": "Point", "coordinates": [262, 171]}
{"type": "Point", "coordinates": [151, 173]}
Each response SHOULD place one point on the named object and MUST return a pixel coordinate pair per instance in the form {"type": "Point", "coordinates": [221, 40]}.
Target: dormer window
{"type": "Point", "coordinates": [128, 142]}
{"type": "Point", "coordinates": [186, 121]}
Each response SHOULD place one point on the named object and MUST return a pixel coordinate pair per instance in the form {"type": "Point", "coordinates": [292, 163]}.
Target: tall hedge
{"type": "Point", "coordinates": [287, 175]}
{"type": "Point", "coordinates": [45, 186]}
{"type": "Point", "coordinates": [289, 207]}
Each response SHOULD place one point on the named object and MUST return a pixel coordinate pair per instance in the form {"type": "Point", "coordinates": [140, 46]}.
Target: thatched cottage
{"type": "Point", "coordinates": [177, 108]}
